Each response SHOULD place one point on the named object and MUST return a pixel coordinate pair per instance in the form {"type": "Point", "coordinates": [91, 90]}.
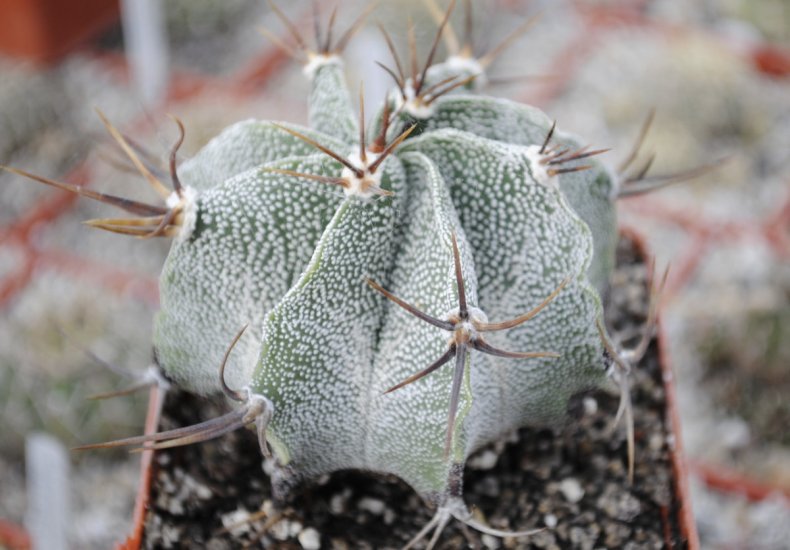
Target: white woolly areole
{"type": "Point", "coordinates": [361, 187]}
{"type": "Point", "coordinates": [173, 200]}
{"type": "Point", "coordinates": [539, 170]}
{"type": "Point", "coordinates": [317, 61]}
{"type": "Point", "coordinates": [153, 376]}
{"type": "Point", "coordinates": [455, 507]}
{"type": "Point", "coordinates": [256, 401]}
{"type": "Point", "coordinates": [464, 64]}
{"type": "Point", "coordinates": [187, 201]}
{"type": "Point", "coordinates": [475, 315]}
{"type": "Point", "coordinates": [370, 158]}
{"type": "Point", "coordinates": [412, 104]}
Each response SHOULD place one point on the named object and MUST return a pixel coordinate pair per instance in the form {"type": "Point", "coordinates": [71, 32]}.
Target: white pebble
{"type": "Point", "coordinates": [571, 489]}
{"type": "Point", "coordinates": [294, 528]}
{"type": "Point", "coordinates": [590, 406]}
{"type": "Point", "coordinates": [310, 539]}
{"type": "Point", "coordinates": [489, 541]}
{"type": "Point", "coordinates": [237, 521]}
{"type": "Point", "coordinates": [484, 461]}
{"type": "Point", "coordinates": [202, 491]}
{"type": "Point", "coordinates": [324, 479]}
{"type": "Point", "coordinates": [171, 504]}
{"type": "Point", "coordinates": [280, 530]}
{"type": "Point", "coordinates": [268, 508]}
{"type": "Point", "coordinates": [372, 505]}
{"type": "Point", "coordinates": [170, 536]}
{"type": "Point", "coordinates": [550, 520]}
{"type": "Point", "coordinates": [389, 517]}
{"type": "Point", "coordinates": [337, 504]}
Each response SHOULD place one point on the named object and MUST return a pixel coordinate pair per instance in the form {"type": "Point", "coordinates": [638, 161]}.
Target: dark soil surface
{"type": "Point", "coordinates": [572, 481]}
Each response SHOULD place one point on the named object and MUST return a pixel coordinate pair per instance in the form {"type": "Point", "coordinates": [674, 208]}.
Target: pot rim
{"type": "Point", "coordinates": [156, 400]}
{"type": "Point", "coordinates": [14, 536]}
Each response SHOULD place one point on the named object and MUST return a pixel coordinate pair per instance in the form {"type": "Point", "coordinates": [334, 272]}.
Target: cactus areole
{"type": "Point", "coordinates": [410, 293]}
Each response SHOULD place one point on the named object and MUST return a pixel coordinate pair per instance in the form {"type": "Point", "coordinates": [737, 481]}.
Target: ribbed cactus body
{"type": "Point", "coordinates": [290, 257]}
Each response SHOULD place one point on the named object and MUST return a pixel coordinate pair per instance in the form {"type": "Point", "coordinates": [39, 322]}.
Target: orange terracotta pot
{"type": "Point", "coordinates": [13, 536]}
{"type": "Point", "coordinates": [44, 30]}
{"type": "Point", "coordinates": [133, 542]}
{"type": "Point", "coordinates": [685, 514]}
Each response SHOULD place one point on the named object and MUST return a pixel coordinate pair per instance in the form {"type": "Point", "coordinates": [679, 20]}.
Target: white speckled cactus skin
{"type": "Point", "coordinates": [289, 257]}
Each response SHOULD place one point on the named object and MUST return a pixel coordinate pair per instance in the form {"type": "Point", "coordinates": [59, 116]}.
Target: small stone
{"type": "Point", "coordinates": [310, 539]}
{"type": "Point", "coordinates": [337, 504]}
{"type": "Point", "coordinates": [236, 521]}
{"type": "Point", "coordinates": [618, 503]}
{"type": "Point", "coordinates": [372, 505]}
{"type": "Point", "coordinates": [268, 507]}
{"type": "Point", "coordinates": [543, 472]}
{"type": "Point", "coordinates": [280, 530]}
{"type": "Point", "coordinates": [483, 461]}
{"type": "Point", "coordinates": [544, 539]}
{"type": "Point", "coordinates": [217, 544]}
{"type": "Point", "coordinates": [294, 528]}
{"type": "Point", "coordinates": [324, 479]}
{"type": "Point", "coordinates": [616, 535]}
{"type": "Point", "coordinates": [167, 484]}
{"type": "Point", "coordinates": [189, 486]}
{"type": "Point", "coordinates": [583, 539]}
{"type": "Point", "coordinates": [202, 491]}
{"type": "Point", "coordinates": [389, 516]}
{"type": "Point", "coordinates": [571, 489]}
{"type": "Point", "coordinates": [656, 442]}
{"type": "Point", "coordinates": [550, 520]}
{"type": "Point", "coordinates": [490, 542]}
{"type": "Point", "coordinates": [170, 536]}
{"type": "Point", "coordinates": [489, 487]}
{"type": "Point", "coordinates": [173, 505]}
{"type": "Point", "coordinates": [590, 406]}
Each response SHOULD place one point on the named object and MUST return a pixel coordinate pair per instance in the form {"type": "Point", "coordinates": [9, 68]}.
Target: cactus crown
{"type": "Point", "coordinates": [475, 215]}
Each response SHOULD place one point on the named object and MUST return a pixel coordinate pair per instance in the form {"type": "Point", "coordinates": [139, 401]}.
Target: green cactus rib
{"type": "Point", "coordinates": [519, 262]}
{"type": "Point", "coordinates": [246, 145]}
{"type": "Point", "coordinates": [254, 235]}
{"type": "Point", "coordinates": [590, 194]}
{"type": "Point", "coordinates": [331, 110]}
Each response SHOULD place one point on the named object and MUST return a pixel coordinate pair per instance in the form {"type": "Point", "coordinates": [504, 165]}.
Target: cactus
{"type": "Point", "coordinates": [351, 260]}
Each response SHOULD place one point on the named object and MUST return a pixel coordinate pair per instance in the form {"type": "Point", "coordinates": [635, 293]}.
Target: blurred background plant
{"type": "Point", "coordinates": [718, 74]}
